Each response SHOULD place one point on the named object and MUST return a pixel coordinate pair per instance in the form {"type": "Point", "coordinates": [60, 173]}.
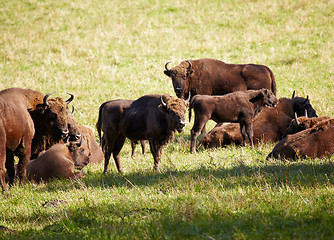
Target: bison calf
{"type": "Point", "coordinates": [240, 107]}
{"type": "Point", "coordinates": [59, 161]}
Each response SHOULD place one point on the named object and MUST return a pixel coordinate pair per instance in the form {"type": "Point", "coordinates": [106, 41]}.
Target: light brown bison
{"type": "Point", "coordinates": [59, 161]}
{"type": "Point", "coordinates": [268, 125]}
{"type": "Point", "coordinates": [152, 117]}
{"type": "Point", "coordinates": [315, 142]}
{"type": "Point", "coordinates": [240, 107]}
{"type": "Point", "coordinates": [214, 77]}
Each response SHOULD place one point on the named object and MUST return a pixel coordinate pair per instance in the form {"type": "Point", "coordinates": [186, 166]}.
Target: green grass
{"type": "Point", "coordinates": [101, 50]}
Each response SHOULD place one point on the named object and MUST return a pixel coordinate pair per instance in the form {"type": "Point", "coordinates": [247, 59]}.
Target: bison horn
{"type": "Point", "coordinates": [293, 94]}
{"type": "Point", "coordinates": [70, 99]}
{"type": "Point", "coordinates": [79, 143]}
{"type": "Point", "coordinates": [45, 99]}
{"type": "Point", "coordinates": [163, 103]}
{"type": "Point", "coordinates": [72, 110]}
{"type": "Point", "coordinates": [188, 68]}
{"type": "Point", "coordinates": [296, 119]}
{"type": "Point", "coordinates": [306, 100]}
{"type": "Point", "coordinates": [188, 99]}
{"type": "Point", "coordinates": [166, 66]}
{"type": "Point", "coordinates": [306, 113]}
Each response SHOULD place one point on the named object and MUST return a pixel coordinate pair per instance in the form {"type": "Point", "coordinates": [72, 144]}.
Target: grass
{"type": "Point", "coordinates": [101, 50]}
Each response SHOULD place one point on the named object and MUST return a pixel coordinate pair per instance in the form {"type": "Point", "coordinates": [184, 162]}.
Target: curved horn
{"type": "Point", "coordinates": [45, 99]}
{"type": "Point", "coordinates": [188, 99]}
{"type": "Point", "coordinates": [296, 119]}
{"type": "Point", "coordinates": [166, 66]}
{"type": "Point", "coordinates": [79, 143]}
{"type": "Point", "coordinates": [188, 68]}
{"type": "Point", "coordinates": [306, 113]}
{"type": "Point", "coordinates": [293, 94]}
{"type": "Point", "coordinates": [306, 99]}
{"type": "Point", "coordinates": [70, 99]}
{"type": "Point", "coordinates": [163, 103]}
{"type": "Point", "coordinates": [72, 110]}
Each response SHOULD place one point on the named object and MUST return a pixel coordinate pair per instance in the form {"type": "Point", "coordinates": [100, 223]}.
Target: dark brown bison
{"type": "Point", "coordinates": [95, 155]}
{"type": "Point", "coordinates": [268, 125]}
{"type": "Point", "coordinates": [315, 142]}
{"type": "Point", "coordinates": [240, 107]}
{"type": "Point", "coordinates": [51, 124]}
{"type": "Point", "coordinates": [59, 161]}
{"type": "Point", "coordinates": [152, 117]}
{"type": "Point", "coordinates": [301, 123]}
{"type": "Point", "coordinates": [214, 77]}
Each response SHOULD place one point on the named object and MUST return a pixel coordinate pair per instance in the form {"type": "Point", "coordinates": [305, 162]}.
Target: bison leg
{"type": "Point", "coordinates": [2, 167]}
{"type": "Point", "coordinates": [142, 143]}
{"type": "Point", "coordinates": [243, 134]}
{"type": "Point", "coordinates": [249, 131]}
{"type": "Point", "coordinates": [199, 124]}
{"type": "Point", "coordinates": [10, 166]}
{"type": "Point", "coordinates": [116, 152]}
{"type": "Point", "coordinates": [133, 148]}
{"type": "Point", "coordinates": [156, 152]}
{"type": "Point", "coordinates": [108, 141]}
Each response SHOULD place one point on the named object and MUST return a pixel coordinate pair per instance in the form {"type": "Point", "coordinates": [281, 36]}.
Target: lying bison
{"type": "Point", "coordinates": [60, 161]}
{"type": "Point", "coordinates": [268, 125]}
{"type": "Point", "coordinates": [240, 107]}
{"type": "Point", "coordinates": [214, 77]}
{"type": "Point", "coordinates": [152, 117]}
{"type": "Point", "coordinates": [315, 142]}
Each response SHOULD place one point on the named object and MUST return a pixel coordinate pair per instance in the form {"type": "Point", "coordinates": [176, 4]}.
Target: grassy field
{"type": "Point", "coordinates": [101, 50]}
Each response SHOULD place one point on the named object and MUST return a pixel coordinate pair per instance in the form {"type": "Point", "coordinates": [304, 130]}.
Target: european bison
{"type": "Point", "coordinates": [268, 125]}
{"type": "Point", "coordinates": [151, 117]}
{"type": "Point", "coordinates": [315, 142]}
{"type": "Point", "coordinates": [51, 123]}
{"type": "Point", "coordinates": [59, 161]}
{"type": "Point", "coordinates": [214, 77]}
{"type": "Point", "coordinates": [240, 107]}
{"type": "Point", "coordinates": [301, 123]}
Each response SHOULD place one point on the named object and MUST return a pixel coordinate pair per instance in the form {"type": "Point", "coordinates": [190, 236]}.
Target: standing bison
{"type": "Point", "coordinates": [214, 77]}
{"type": "Point", "coordinates": [240, 107]}
{"type": "Point", "coordinates": [269, 125]}
{"type": "Point", "coordinates": [152, 117]}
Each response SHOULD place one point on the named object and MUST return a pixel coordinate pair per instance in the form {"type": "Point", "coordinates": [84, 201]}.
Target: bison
{"type": "Point", "coordinates": [240, 107]}
{"type": "Point", "coordinates": [151, 117]}
{"type": "Point", "coordinates": [214, 77]}
{"type": "Point", "coordinates": [315, 142]}
{"type": "Point", "coordinates": [59, 161]}
{"type": "Point", "coordinates": [268, 125]}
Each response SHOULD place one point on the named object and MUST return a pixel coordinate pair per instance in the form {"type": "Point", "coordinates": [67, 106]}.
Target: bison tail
{"type": "Point", "coordinates": [273, 82]}
{"type": "Point", "coordinates": [190, 107]}
{"type": "Point", "coordinates": [99, 122]}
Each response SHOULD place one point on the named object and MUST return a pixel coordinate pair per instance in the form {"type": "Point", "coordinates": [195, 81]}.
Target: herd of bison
{"type": "Point", "coordinates": [241, 98]}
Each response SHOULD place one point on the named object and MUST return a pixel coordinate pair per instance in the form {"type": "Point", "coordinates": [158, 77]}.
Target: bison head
{"type": "Point", "coordinates": [179, 76]}
{"type": "Point", "coordinates": [302, 105]}
{"type": "Point", "coordinates": [80, 152]}
{"type": "Point", "coordinates": [54, 115]}
{"type": "Point", "coordinates": [267, 97]}
{"type": "Point", "coordinates": [74, 133]}
{"type": "Point", "coordinates": [176, 109]}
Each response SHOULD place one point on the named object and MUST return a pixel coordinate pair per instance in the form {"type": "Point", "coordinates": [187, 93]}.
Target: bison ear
{"type": "Point", "coordinates": [167, 73]}
{"type": "Point", "coordinates": [257, 98]}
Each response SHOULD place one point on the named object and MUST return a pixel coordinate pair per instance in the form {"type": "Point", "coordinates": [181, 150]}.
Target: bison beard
{"type": "Point", "coordinates": [152, 117]}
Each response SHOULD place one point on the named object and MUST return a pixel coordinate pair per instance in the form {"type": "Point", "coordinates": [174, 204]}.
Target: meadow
{"type": "Point", "coordinates": [108, 49]}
